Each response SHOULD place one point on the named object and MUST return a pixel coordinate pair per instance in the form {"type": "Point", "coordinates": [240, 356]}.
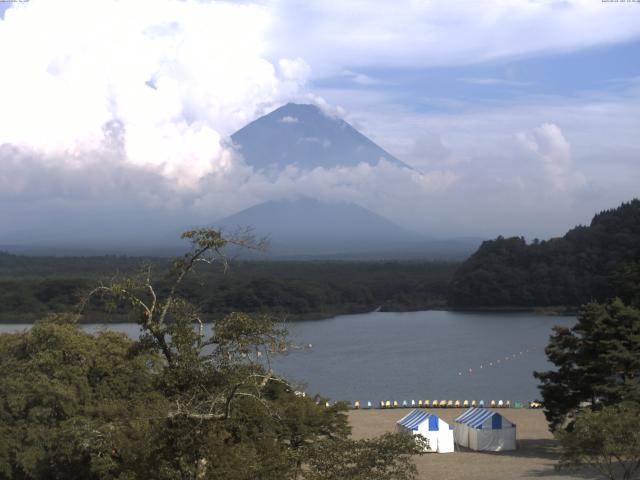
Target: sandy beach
{"type": "Point", "coordinates": [535, 458]}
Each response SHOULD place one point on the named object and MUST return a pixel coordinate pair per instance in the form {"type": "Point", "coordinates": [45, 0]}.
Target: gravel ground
{"type": "Point", "coordinates": [535, 458]}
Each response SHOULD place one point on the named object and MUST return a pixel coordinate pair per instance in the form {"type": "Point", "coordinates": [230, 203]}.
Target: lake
{"type": "Point", "coordinates": [416, 355]}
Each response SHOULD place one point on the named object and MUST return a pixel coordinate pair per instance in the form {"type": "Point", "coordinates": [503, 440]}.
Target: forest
{"type": "Point", "coordinates": [178, 402]}
{"type": "Point", "coordinates": [589, 263]}
{"type": "Point", "coordinates": [33, 286]}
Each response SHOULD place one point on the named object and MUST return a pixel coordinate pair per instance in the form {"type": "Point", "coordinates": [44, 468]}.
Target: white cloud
{"type": "Point", "coordinates": [364, 80]}
{"type": "Point", "coordinates": [36, 187]}
{"type": "Point", "coordinates": [294, 69]}
{"type": "Point", "coordinates": [584, 160]}
{"type": "Point", "coordinates": [289, 119]}
{"type": "Point", "coordinates": [549, 146]}
{"type": "Point", "coordinates": [120, 107]}
{"type": "Point", "coordinates": [334, 35]}
{"type": "Point", "coordinates": [494, 81]}
{"type": "Point", "coordinates": [323, 142]}
{"type": "Point", "coordinates": [164, 70]}
{"type": "Point", "coordinates": [384, 188]}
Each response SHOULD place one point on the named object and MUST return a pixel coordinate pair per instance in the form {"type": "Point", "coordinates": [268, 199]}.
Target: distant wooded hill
{"type": "Point", "coordinates": [31, 287]}
{"type": "Point", "coordinates": [592, 262]}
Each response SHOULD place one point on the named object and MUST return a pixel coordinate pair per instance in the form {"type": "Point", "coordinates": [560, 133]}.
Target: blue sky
{"type": "Point", "coordinates": [521, 116]}
{"type": "Point", "coordinates": [607, 70]}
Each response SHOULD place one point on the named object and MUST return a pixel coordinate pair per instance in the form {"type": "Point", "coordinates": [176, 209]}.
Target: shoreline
{"type": "Point", "coordinates": [559, 311]}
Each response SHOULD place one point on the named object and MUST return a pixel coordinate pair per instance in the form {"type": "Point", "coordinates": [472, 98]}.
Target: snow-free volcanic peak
{"type": "Point", "coordinates": [304, 136]}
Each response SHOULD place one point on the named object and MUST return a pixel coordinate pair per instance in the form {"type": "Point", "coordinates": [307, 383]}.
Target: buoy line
{"type": "Point", "coordinates": [498, 362]}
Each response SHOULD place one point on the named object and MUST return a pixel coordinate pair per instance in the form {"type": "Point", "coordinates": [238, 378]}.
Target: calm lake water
{"type": "Point", "coordinates": [417, 355]}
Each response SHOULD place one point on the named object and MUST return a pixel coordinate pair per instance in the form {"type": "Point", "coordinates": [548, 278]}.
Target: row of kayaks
{"type": "Point", "coordinates": [448, 404]}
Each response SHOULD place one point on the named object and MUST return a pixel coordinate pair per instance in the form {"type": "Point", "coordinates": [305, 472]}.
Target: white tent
{"type": "Point", "coordinates": [482, 429]}
{"type": "Point", "coordinates": [433, 428]}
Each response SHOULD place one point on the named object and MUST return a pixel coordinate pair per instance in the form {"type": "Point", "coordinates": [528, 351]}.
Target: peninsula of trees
{"type": "Point", "coordinates": [589, 263]}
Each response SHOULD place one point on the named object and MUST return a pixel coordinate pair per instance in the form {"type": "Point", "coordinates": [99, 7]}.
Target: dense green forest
{"type": "Point", "coordinates": [32, 286]}
{"type": "Point", "coordinates": [590, 263]}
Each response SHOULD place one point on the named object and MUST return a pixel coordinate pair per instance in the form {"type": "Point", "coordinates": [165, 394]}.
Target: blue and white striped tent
{"type": "Point", "coordinates": [433, 428]}
{"type": "Point", "coordinates": [483, 429]}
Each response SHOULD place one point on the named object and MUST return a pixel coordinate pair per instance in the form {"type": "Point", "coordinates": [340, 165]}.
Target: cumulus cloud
{"type": "Point", "coordinates": [128, 107]}
{"type": "Point", "coordinates": [125, 110]}
{"type": "Point", "coordinates": [549, 146]}
{"type": "Point", "coordinates": [295, 70]}
{"type": "Point", "coordinates": [534, 167]}
{"type": "Point", "coordinates": [164, 70]}
{"type": "Point", "coordinates": [111, 108]}
{"type": "Point", "coordinates": [384, 188]}
{"type": "Point", "coordinates": [548, 141]}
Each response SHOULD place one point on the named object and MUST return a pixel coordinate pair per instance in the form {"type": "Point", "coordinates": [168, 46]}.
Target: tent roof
{"type": "Point", "coordinates": [476, 417]}
{"type": "Point", "coordinates": [416, 417]}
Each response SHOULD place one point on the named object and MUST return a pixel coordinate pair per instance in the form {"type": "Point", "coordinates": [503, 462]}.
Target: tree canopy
{"type": "Point", "coordinates": [590, 263]}
{"type": "Point", "coordinates": [31, 287]}
{"type": "Point", "coordinates": [597, 360]}
{"type": "Point", "coordinates": [187, 400]}
{"type": "Point", "coordinates": [607, 441]}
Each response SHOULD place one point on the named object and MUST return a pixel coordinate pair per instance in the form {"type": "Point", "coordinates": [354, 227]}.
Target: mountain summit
{"type": "Point", "coordinates": [303, 135]}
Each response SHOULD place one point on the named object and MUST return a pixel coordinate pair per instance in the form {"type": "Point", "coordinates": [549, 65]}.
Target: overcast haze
{"type": "Point", "coordinates": [518, 117]}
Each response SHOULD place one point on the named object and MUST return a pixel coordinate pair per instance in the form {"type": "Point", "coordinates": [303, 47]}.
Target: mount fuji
{"type": "Point", "coordinates": [305, 136]}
